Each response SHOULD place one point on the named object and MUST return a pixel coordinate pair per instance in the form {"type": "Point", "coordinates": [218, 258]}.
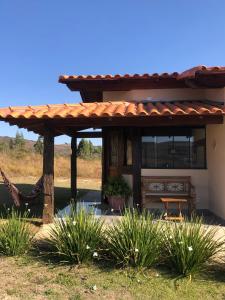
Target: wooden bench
{"type": "Point", "coordinates": [156, 187]}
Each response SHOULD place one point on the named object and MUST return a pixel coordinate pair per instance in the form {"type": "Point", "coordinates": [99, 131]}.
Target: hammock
{"type": "Point", "coordinates": [17, 196]}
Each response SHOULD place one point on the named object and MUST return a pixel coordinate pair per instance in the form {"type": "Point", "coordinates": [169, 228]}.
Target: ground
{"type": "Point", "coordinates": [27, 278]}
{"type": "Point", "coordinates": [35, 278]}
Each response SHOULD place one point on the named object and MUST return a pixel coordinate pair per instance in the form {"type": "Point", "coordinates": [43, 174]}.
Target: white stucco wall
{"type": "Point", "coordinates": [216, 168]}
{"type": "Point", "coordinates": [165, 94]}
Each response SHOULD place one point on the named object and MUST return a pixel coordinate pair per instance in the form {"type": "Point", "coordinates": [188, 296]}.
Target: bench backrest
{"type": "Point", "coordinates": [166, 185]}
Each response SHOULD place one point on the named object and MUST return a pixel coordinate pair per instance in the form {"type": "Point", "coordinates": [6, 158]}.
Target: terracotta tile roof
{"type": "Point", "coordinates": [65, 78]}
{"type": "Point", "coordinates": [190, 73]}
{"type": "Point", "coordinates": [113, 109]}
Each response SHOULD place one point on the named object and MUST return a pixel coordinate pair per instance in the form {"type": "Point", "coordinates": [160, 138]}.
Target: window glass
{"type": "Point", "coordinates": [183, 148]}
{"type": "Point", "coordinates": [181, 152]}
{"type": "Point", "coordinates": [164, 152]}
{"type": "Point", "coordinates": [197, 146]}
{"type": "Point", "coordinates": [149, 152]}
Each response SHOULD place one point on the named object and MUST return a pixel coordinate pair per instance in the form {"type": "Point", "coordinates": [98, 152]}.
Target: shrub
{"type": "Point", "coordinates": [189, 245]}
{"type": "Point", "coordinates": [15, 234]}
{"type": "Point", "coordinates": [76, 238]}
{"type": "Point", "coordinates": [116, 186]}
{"type": "Point", "coordinates": [135, 240]}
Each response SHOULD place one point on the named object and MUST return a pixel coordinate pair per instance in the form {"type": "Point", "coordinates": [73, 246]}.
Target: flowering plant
{"type": "Point", "coordinates": [189, 245]}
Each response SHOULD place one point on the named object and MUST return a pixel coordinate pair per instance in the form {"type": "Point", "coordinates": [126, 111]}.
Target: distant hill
{"type": "Point", "coordinates": [62, 149]}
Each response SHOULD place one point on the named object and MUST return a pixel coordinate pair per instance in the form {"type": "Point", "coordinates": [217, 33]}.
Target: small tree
{"type": "Point", "coordinates": [39, 145]}
{"type": "Point", "coordinates": [84, 149]}
{"type": "Point", "coordinates": [19, 141]}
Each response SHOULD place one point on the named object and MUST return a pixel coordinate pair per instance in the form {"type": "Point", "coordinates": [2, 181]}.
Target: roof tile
{"type": "Point", "coordinates": [113, 109]}
{"type": "Point", "coordinates": [190, 73]}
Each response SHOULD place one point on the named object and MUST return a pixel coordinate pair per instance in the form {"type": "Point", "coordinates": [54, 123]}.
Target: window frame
{"type": "Point", "coordinates": [153, 131]}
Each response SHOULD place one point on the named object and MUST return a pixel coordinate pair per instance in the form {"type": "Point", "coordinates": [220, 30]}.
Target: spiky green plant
{"type": "Point", "coordinates": [189, 245]}
{"type": "Point", "coordinates": [135, 240]}
{"type": "Point", "coordinates": [76, 238]}
{"type": "Point", "coordinates": [15, 234]}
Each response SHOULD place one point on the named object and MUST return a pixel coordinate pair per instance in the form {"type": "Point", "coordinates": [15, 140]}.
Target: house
{"type": "Point", "coordinates": [151, 125]}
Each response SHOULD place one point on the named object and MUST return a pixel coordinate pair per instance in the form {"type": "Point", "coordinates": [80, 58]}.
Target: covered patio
{"type": "Point", "coordinates": [122, 125]}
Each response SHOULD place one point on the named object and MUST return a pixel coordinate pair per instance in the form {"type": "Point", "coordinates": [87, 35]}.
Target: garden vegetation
{"type": "Point", "coordinates": [136, 240]}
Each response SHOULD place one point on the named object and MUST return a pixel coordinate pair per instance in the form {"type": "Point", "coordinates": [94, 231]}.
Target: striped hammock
{"type": "Point", "coordinates": [18, 197]}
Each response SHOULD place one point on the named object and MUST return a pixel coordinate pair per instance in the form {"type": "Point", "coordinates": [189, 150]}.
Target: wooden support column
{"type": "Point", "coordinates": [48, 173]}
{"type": "Point", "coordinates": [136, 157]}
{"type": "Point", "coordinates": [73, 168]}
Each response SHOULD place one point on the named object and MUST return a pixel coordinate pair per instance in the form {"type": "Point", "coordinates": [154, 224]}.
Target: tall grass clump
{"type": "Point", "coordinates": [15, 234]}
{"type": "Point", "coordinates": [189, 245]}
{"type": "Point", "coordinates": [76, 238]}
{"type": "Point", "coordinates": [135, 240]}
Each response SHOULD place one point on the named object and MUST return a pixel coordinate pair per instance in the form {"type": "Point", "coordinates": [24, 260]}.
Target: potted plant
{"type": "Point", "coordinates": [117, 191]}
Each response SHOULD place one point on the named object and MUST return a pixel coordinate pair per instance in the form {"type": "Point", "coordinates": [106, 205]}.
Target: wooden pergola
{"type": "Point", "coordinates": [70, 119]}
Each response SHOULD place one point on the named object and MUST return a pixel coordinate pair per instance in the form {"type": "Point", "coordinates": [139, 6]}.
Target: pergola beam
{"type": "Point", "coordinates": [73, 169]}
{"type": "Point", "coordinates": [48, 176]}
{"type": "Point", "coordinates": [88, 134]}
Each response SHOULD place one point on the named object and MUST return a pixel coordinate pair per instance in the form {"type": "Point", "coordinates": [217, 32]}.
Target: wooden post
{"type": "Point", "coordinates": [136, 158]}
{"type": "Point", "coordinates": [48, 173]}
{"type": "Point", "coordinates": [73, 168]}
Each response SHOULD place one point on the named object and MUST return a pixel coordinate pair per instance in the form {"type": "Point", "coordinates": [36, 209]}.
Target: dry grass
{"type": "Point", "coordinates": [30, 165]}
{"type": "Point", "coordinates": [28, 278]}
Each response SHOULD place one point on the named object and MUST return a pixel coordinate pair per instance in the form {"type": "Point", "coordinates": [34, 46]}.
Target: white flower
{"type": "Point", "coordinates": [87, 247]}
{"type": "Point", "coordinates": [112, 210]}
{"type": "Point", "coordinates": [157, 275]}
{"type": "Point", "coordinates": [26, 204]}
{"type": "Point", "coordinates": [170, 237]}
{"type": "Point", "coordinates": [95, 254]}
{"type": "Point", "coordinates": [94, 288]}
{"type": "Point", "coordinates": [74, 222]}
{"type": "Point", "coordinates": [8, 208]}
{"type": "Point", "coordinates": [138, 204]}
{"type": "Point", "coordinates": [69, 235]}
{"type": "Point", "coordinates": [190, 248]}
{"type": "Point", "coordinates": [180, 243]}
{"type": "Point", "coordinates": [28, 210]}
{"type": "Point", "coordinates": [136, 250]}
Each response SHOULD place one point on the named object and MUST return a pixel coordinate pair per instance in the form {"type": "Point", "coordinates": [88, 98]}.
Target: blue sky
{"type": "Point", "coordinates": [39, 40]}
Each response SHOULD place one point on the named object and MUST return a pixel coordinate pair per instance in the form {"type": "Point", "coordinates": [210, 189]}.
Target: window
{"type": "Point", "coordinates": [174, 148]}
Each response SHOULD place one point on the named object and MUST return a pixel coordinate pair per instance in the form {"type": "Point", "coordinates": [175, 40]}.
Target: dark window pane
{"type": "Point", "coordinates": [179, 148]}
{"type": "Point", "coordinates": [181, 152]}
{"type": "Point", "coordinates": [148, 152]}
{"type": "Point", "coordinates": [197, 146]}
{"type": "Point", "coordinates": [164, 152]}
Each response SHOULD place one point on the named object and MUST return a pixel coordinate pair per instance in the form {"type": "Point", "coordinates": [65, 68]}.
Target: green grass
{"type": "Point", "coordinates": [63, 282]}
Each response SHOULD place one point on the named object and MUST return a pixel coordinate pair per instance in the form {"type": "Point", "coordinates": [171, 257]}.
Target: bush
{"type": "Point", "coordinates": [116, 186]}
{"type": "Point", "coordinates": [15, 234]}
{"type": "Point", "coordinates": [135, 240]}
{"type": "Point", "coordinates": [76, 238]}
{"type": "Point", "coordinates": [189, 245]}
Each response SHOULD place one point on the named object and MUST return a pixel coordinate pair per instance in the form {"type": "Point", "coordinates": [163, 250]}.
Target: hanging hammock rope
{"type": "Point", "coordinates": [17, 196]}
